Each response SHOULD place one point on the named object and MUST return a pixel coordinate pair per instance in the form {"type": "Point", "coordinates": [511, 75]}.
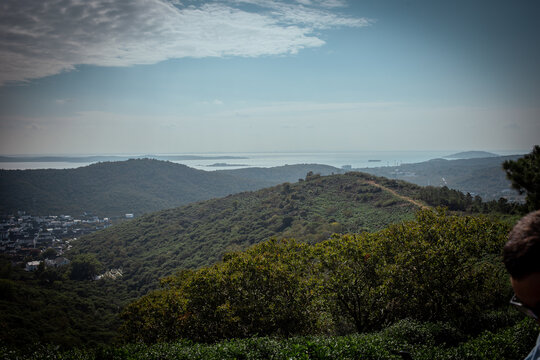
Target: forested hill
{"type": "Point", "coordinates": [280, 174]}
{"type": "Point", "coordinates": [198, 234]}
{"type": "Point", "coordinates": [479, 176]}
{"type": "Point", "coordinates": [133, 186]}
{"type": "Point", "coordinates": [156, 245]}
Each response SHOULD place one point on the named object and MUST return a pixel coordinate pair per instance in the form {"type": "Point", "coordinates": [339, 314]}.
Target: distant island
{"type": "Point", "coordinates": [471, 155]}
{"type": "Point", "coordinates": [194, 157]}
{"type": "Point", "coordinates": [225, 165]}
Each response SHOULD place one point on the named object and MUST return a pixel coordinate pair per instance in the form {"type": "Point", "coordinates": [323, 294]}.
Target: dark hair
{"type": "Point", "coordinates": [521, 254]}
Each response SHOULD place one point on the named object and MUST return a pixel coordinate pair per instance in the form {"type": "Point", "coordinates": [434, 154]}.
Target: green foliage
{"type": "Point", "coordinates": [525, 176]}
{"type": "Point", "coordinates": [49, 253]}
{"type": "Point", "coordinates": [411, 333]}
{"type": "Point", "coordinates": [443, 267]}
{"type": "Point", "coordinates": [55, 310]}
{"type": "Point", "coordinates": [481, 176]}
{"type": "Point", "coordinates": [452, 199]}
{"type": "Point", "coordinates": [351, 280]}
{"type": "Point", "coordinates": [268, 290]}
{"type": "Point", "coordinates": [511, 343]}
{"type": "Point", "coordinates": [157, 245]}
{"type": "Point", "coordinates": [85, 267]}
{"type": "Point", "coordinates": [135, 186]}
{"type": "Point", "coordinates": [157, 317]}
{"type": "Point", "coordinates": [438, 268]}
{"type": "Point", "coordinates": [280, 288]}
{"type": "Point", "coordinates": [424, 341]}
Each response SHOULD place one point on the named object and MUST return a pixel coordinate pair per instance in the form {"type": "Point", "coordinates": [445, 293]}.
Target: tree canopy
{"type": "Point", "coordinates": [85, 267]}
{"type": "Point", "coordinates": [436, 268]}
{"type": "Point", "coordinates": [525, 176]}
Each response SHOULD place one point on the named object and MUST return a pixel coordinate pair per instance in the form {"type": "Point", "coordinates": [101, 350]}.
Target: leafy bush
{"type": "Point", "coordinates": [267, 290]}
{"type": "Point", "coordinates": [510, 343]}
{"type": "Point", "coordinates": [442, 269]}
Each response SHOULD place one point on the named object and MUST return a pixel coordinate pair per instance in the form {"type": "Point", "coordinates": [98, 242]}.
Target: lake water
{"type": "Point", "coordinates": [358, 159]}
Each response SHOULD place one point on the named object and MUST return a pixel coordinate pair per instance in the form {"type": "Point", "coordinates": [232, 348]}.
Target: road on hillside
{"type": "Point", "coordinates": [406, 198]}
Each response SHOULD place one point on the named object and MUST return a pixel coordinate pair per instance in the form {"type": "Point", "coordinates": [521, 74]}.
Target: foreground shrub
{"type": "Point", "coordinates": [507, 344]}
{"type": "Point", "coordinates": [438, 269]}
{"type": "Point", "coordinates": [270, 289]}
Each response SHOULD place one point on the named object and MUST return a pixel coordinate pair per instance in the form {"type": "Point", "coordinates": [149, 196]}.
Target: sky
{"type": "Point", "coordinates": [186, 76]}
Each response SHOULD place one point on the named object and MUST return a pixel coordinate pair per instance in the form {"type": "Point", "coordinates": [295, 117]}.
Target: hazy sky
{"type": "Point", "coordinates": [177, 76]}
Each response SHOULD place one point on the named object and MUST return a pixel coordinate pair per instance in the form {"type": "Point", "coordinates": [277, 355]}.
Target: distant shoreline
{"type": "Point", "coordinates": [226, 165]}
{"type": "Point", "coordinates": [87, 159]}
{"type": "Point", "coordinates": [225, 161]}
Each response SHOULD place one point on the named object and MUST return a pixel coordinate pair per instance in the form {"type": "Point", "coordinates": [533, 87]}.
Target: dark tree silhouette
{"type": "Point", "coordinates": [524, 174]}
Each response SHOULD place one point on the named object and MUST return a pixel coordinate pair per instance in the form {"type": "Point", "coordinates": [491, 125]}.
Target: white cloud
{"type": "Point", "coordinates": [308, 13]}
{"type": "Point", "coordinates": [323, 3]}
{"type": "Point", "coordinates": [41, 38]}
{"type": "Point", "coordinates": [332, 3]}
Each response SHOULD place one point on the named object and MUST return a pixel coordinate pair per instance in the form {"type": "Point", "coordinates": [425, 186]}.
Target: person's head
{"type": "Point", "coordinates": [521, 256]}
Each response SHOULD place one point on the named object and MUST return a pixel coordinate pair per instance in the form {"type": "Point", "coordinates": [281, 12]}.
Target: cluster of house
{"type": "Point", "coordinates": [112, 274]}
{"type": "Point", "coordinates": [23, 237]}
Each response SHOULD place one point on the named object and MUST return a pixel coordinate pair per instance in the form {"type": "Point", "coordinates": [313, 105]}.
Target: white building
{"type": "Point", "coordinates": [32, 265]}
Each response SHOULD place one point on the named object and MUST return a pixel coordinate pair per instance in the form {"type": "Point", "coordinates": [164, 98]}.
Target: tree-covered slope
{"type": "Point", "coordinates": [198, 234]}
{"type": "Point", "coordinates": [482, 176]}
{"type": "Point", "coordinates": [160, 244]}
{"type": "Point", "coordinates": [280, 174]}
{"type": "Point", "coordinates": [133, 186]}
{"type": "Point", "coordinates": [438, 269]}
{"type": "Point", "coordinates": [46, 307]}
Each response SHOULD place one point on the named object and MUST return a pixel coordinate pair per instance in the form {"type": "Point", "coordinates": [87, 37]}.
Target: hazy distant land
{"type": "Point", "coordinates": [226, 165]}
{"type": "Point", "coordinates": [471, 155]}
{"type": "Point", "coordinates": [113, 188]}
{"type": "Point", "coordinates": [134, 186]}
{"type": "Point", "coordinates": [482, 176]}
{"type": "Point", "coordinates": [99, 158]}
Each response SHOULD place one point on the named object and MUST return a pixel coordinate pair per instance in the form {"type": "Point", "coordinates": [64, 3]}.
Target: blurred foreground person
{"type": "Point", "coordinates": [521, 256]}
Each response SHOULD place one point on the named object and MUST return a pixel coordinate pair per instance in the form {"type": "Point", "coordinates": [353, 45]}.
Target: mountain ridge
{"type": "Point", "coordinates": [198, 234]}
{"type": "Point", "coordinates": [479, 176]}
{"type": "Point", "coordinates": [133, 186]}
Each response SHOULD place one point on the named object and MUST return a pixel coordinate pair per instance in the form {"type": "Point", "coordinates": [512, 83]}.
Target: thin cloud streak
{"type": "Point", "coordinates": [42, 38]}
{"type": "Point", "coordinates": [308, 13]}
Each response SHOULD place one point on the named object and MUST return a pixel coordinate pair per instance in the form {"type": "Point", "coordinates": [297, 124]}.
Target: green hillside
{"type": "Point", "coordinates": [483, 176]}
{"type": "Point", "coordinates": [134, 186]}
{"type": "Point", "coordinates": [198, 234]}
{"type": "Point", "coordinates": [195, 235]}
{"type": "Point", "coordinates": [45, 306]}
{"type": "Point", "coordinates": [139, 186]}
{"type": "Point", "coordinates": [434, 268]}
{"type": "Point", "coordinates": [436, 285]}
{"type": "Point", "coordinates": [280, 174]}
